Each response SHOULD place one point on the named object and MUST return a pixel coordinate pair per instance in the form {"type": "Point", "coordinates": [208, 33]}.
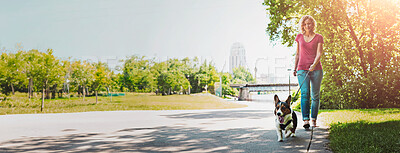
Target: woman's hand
{"type": "Point", "coordinates": [294, 73]}
{"type": "Point", "coordinates": [312, 67]}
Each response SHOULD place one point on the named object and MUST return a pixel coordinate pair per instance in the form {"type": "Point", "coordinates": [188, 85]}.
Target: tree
{"type": "Point", "coordinates": [242, 75]}
{"type": "Point", "coordinates": [170, 76]}
{"type": "Point", "coordinates": [361, 47]}
{"type": "Point", "coordinates": [226, 88]}
{"type": "Point", "coordinates": [101, 76]}
{"type": "Point", "coordinates": [67, 77]}
{"type": "Point", "coordinates": [13, 71]}
{"type": "Point", "coordinates": [48, 73]}
{"type": "Point", "coordinates": [137, 74]}
{"type": "Point", "coordinates": [82, 76]}
{"type": "Point", "coordinates": [31, 61]}
{"type": "Point", "coordinates": [3, 73]}
{"type": "Point", "coordinates": [206, 76]}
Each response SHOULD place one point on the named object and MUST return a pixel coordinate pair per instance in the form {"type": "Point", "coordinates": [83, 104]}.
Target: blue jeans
{"type": "Point", "coordinates": [315, 78]}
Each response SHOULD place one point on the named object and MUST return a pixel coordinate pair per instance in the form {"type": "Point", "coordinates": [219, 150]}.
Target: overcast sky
{"type": "Point", "coordinates": [152, 28]}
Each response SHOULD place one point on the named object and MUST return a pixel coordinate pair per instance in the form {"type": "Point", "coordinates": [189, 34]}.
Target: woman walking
{"type": "Point", "coordinates": [308, 54]}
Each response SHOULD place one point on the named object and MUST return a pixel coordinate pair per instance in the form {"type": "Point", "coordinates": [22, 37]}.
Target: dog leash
{"type": "Point", "coordinates": [299, 88]}
{"type": "Point", "coordinates": [309, 143]}
{"type": "Point", "coordinates": [312, 128]}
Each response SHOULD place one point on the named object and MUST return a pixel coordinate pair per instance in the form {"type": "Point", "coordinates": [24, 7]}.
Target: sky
{"type": "Point", "coordinates": [158, 29]}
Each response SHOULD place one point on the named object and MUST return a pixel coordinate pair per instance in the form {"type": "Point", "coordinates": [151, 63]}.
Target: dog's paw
{"type": "Point", "coordinates": [293, 135]}
{"type": "Point", "coordinates": [280, 139]}
{"type": "Point", "coordinates": [289, 134]}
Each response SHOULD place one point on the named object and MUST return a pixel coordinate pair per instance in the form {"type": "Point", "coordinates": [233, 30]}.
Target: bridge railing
{"type": "Point", "coordinates": [245, 89]}
{"type": "Point", "coordinates": [265, 87]}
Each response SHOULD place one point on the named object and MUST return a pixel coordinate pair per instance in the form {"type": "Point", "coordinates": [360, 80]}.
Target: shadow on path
{"type": "Point", "coordinates": [237, 114]}
{"type": "Point", "coordinates": [165, 139]}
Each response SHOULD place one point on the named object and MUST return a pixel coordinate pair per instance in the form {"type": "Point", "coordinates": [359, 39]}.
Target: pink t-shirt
{"type": "Point", "coordinates": [308, 51]}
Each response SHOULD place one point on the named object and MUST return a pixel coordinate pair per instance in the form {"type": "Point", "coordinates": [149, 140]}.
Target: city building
{"type": "Point", "coordinates": [237, 57]}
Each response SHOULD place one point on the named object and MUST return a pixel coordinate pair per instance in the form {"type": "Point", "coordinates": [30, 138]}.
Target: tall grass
{"type": "Point", "coordinates": [20, 104]}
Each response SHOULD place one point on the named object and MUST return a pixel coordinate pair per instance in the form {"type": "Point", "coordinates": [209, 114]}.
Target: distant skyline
{"type": "Point", "coordinates": [152, 28]}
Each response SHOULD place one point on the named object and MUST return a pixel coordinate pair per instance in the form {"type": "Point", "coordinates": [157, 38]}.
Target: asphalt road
{"type": "Point", "coordinates": [249, 129]}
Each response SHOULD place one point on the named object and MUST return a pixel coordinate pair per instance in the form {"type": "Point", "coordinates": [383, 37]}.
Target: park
{"type": "Point", "coordinates": [54, 100]}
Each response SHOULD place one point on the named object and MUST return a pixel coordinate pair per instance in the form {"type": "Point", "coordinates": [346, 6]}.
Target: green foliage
{"type": "Point", "coordinates": [170, 76]}
{"type": "Point", "coordinates": [167, 77]}
{"type": "Point", "coordinates": [361, 47]}
{"type": "Point", "coordinates": [17, 68]}
{"type": "Point", "coordinates": [102, 76]}
{"type": "Point", "coordinates": [12, 73]}
{"type": "Point", "coordinates": [4, 74]}
{"type": "Point", "coordinates": [226, 88]}
{"type": "Point", "coordinates": [242, 75]}
{"type": "Point", "coordinates": [53, 75]}
{"type": "Point", "coordinates": [82, 75]}
{"type": "Point", "coordinates": [283, 15]}
{"type": "Point", "coordinates": [296, 97]}
{"type": "Point", "coordinates": [205, 77]}
{"type": "Point", "coordinates": [137, 74]}
{"type": "Point", "coordinates": [296, 101]}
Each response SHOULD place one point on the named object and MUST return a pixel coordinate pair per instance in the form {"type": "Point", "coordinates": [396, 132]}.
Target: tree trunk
{"type": "Point", "coordinates": [54, 92]}
{"type": "Point", "coordinates": [79, 92]}
{"type": "Point", "coordinates": [59, 94]}
{"type": "Point", "coordinates": [30, 88]}
{"type": "Point", "coordinates": [47, 92]}
{"type": "Point", "coordinates": [83, 92]}
{"type": "Point", "coordinates": [111, 96]}
{"type": "Point", "coordinates": [358, 46]}
{"type": "Point", "coordinates": [96, 96]}
{"type": "Point", "coordinates": [12, 89]}
{"type": "Point", "coordinates": [41, 109]}
{"type": "Point", "coordinates": [69, 97]}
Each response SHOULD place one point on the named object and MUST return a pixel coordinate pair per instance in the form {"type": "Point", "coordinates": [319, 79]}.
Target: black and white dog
{"type": "Point", "coordinates": [286, 118]}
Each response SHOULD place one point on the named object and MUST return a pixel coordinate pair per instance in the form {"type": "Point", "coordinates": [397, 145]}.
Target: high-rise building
{"type": "Point", "coordinates": [237, 57]}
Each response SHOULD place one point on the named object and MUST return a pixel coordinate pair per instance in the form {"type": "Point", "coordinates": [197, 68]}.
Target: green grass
{"type": "Point", "coordinates": [20, 104]}
{"type": "Point", "coordinates": [363, 130]}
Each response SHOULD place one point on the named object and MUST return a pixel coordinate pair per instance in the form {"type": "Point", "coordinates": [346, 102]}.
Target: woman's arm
{"type": "Point", "coordinates": [296, 60]}
{"type": "Point", "coordinates": [318, 57]}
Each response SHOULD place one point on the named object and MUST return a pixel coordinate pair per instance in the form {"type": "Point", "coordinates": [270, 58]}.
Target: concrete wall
{"type": "Point", "coordinates": [244, 94]}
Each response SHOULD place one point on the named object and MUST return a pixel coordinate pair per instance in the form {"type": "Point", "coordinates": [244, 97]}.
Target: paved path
{"type": "Point", "coordinates": [249, 129]}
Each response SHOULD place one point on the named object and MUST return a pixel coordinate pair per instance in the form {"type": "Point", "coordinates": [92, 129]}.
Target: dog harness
{"type": "Point", "coordinates": [283, 126]}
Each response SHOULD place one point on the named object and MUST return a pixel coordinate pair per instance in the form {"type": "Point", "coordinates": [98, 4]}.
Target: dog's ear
{"type": "Point", "coordinates": [289, 99]}
{"type": "Point", "coordinates": [276, 99]}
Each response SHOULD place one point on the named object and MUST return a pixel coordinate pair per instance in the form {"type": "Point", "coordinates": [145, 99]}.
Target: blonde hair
{"type": "Point", "coordinates": [303, 19]}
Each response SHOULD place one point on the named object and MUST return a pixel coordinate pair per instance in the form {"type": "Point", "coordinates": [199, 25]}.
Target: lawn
{"type": "Point", "coordinates": [363, 130]}
{"type": "Point", "coordinates": [20, 104]}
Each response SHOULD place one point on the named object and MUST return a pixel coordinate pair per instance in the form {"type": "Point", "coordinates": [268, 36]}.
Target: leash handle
{"type": "Point", "coordinates": [299, 88]}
